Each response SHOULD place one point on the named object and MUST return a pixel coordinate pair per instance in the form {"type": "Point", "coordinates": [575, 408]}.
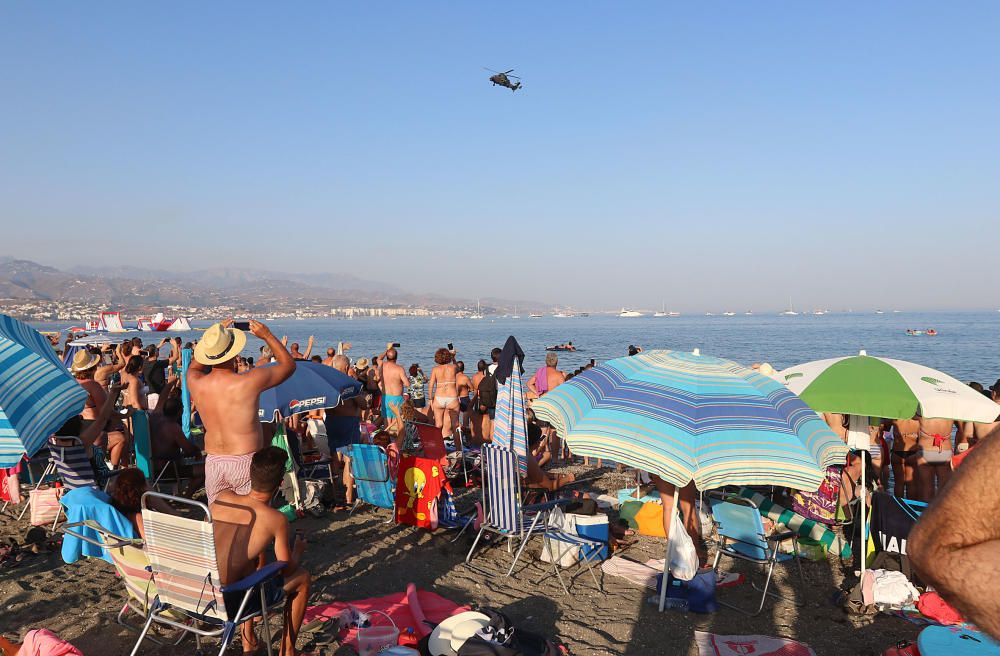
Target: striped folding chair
{"type": "Point", "coordinates": [68, 460]}
{"type": "Point", "coordinates": [184, 565]}
{"type": "Point", "coordinates": [505, 516]}
{"type": "Point", "coordinates": [372, 477]}
{"type": "Point", "coordinates": [132, 566]}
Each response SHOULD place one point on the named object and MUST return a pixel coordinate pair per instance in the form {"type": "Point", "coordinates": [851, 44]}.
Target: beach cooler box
{"type": "Point", "coordinates": [594, 527]}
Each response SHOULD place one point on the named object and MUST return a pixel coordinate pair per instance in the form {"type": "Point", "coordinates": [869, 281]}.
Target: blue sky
{"type": "Point", "coordinates": [707, 156]}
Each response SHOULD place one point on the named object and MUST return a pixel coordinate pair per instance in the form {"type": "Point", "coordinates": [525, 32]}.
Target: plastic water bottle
{"type": "Point", "coordinates": [670, 603]}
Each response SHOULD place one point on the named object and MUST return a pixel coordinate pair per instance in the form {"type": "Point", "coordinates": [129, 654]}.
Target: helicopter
{"type": "Point", "coordinates": [503, 79]}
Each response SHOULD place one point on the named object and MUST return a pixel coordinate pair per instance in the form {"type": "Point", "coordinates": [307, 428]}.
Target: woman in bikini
{"type": "Point", "coordinates": [442, 392]}
{"type": "Point", "coordinates": [934, 456]}
{"type": "Point", "coordinates": [135, 396]}
{"type": "Point", "coordinates": [476, 417]}
{"type": "Point", "coordinates": [904, 457]}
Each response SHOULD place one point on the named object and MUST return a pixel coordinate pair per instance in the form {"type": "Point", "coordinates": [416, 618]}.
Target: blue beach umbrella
{"type": "Point", "coordinates": [509, 426]}
{"type": "Point", "coordinates": [313, 386]}
{"type": "Point", "coordinates": [688, 417]}
{"type": "Point", "coordinates": [37, 393]}
{"type": "Point", "coordinates": [685, 416]}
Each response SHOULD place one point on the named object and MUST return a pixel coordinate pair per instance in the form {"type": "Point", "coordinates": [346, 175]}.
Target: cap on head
{"type": "Point", "coordinates": [219, 345]}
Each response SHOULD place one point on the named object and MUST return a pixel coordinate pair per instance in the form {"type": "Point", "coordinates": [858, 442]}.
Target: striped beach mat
{"type": "Point", "coordinates": [807, 528]}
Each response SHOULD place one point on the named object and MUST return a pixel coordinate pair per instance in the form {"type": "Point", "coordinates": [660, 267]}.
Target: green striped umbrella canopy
{"type": "Point", "coordinates": [882, 387]}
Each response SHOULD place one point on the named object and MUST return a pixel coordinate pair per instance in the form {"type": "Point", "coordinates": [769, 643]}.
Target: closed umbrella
{"type": "Point", "coordinates": [509, 427]}
{"type": "Point", "coordinates": [685, 416]}
{"type": "Point", "coordinates": [37, 393]}
{"type": "Point", "coordinates": [313, 386]}
{"type": "Point", "coordinates": [865, 386]}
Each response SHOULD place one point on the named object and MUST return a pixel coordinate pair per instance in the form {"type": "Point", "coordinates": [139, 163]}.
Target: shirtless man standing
{"type": "Point", "coordinates": [463, 385]}
{"type": "Point", "coordinates": [330, 354]}
{"type": "Point", "coordinates": [539, 386]}
{"type": "Point", "coordinates": [392, 381]}
{"type": "Point", "coordinates": [302, 356]}
{"type": "Point", "coordinates": [246, 526]}
{"type": "Point", "coordinates": [229, 402]}
{"type": "Point", "coordinates": [343, 428]}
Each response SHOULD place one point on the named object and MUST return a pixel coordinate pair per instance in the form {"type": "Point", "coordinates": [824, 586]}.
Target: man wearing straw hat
{"type": "Point", "coordinates": [229, 402]}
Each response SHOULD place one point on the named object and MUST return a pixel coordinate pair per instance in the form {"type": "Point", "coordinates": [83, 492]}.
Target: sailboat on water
{"type": "Point", "coordinates": [516, 315]}
{"type": "Point", "coordinates": [790, 312]}
{"type": "Point", "coordinates": [479, 312]}
{"type": "Point", "coordinates": [662, 312]}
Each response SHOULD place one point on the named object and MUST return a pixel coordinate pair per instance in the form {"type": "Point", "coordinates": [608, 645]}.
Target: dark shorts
{"type": "Point", "coordinates": [419, 403]}
{"type": "Point", "coordinates": [492, 412]}
{"type": "Point", "coordinates": [342, 431]}
{"type": "Point", "coordinates": [463, 404]}
{"type": "Point", "coordinates": [273, 590]}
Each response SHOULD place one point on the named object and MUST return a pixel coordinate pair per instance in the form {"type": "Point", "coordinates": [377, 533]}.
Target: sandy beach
{"type": "Point", "coordinates": [359, 557]}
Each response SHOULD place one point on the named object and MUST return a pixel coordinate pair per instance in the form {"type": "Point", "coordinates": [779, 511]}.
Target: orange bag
{"type": "Point", "coordinates": [650, 519]}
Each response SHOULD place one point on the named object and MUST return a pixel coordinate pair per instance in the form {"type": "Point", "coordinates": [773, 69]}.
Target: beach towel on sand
{"type": "Point", "coordinates": [435, 609]}
{"type": "Point", "coordinates": [710, 644]}
{"type": "Point", "coordinates": [42, 642]}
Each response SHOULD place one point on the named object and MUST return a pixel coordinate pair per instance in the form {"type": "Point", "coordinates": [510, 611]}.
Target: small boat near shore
{"type": "Point", "coordinates": [629, 314]}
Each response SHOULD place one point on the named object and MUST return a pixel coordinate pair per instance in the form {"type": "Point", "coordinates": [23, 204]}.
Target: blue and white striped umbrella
{"type": "Point", "coordinates": [37, 394]}
{"type": "Point", "coordinates": [685, 416]}
{"type": "Point", "coordinates": [510, 429]}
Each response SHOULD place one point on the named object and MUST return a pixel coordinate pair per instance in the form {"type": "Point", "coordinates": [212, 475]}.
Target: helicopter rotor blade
{"type": "Point", "coordinates": [508, 72]}
{"type": "Point", "coordinates": [514, 76]}
{"type": "Point", "coordinates": [491, 70]}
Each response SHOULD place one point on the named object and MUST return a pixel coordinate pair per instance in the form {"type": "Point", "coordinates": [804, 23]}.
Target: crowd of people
{"type": "Point", "coordinates": [242, 471]}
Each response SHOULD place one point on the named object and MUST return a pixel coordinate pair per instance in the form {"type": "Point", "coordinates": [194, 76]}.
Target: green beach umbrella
{"type": "Point", "coordinates": [882, 387]}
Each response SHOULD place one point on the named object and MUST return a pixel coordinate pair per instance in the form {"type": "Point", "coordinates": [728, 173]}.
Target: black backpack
{"type": "Point", "coordinates": [488, 392]}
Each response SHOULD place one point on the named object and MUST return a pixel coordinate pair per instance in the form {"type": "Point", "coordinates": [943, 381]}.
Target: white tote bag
{"type": "Point", "coordinates": [683, 557]}
{"type": "Point", "coordinates": [554, 550]}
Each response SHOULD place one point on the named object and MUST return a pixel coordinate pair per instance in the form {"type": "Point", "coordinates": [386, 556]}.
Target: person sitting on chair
{"type": "Point", "coordinates": [246, 526]}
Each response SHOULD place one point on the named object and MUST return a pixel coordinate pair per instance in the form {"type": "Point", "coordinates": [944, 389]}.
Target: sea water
{"type": "Point", "coordinates": [965, 346]}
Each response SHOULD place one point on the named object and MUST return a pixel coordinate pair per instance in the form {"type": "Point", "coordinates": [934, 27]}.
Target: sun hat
{"type": "Point", "coordinates": [362, 363]}
{"type": "Point", "coordinates": [449, 636]}
{"type": "Point", "coordinates": [84, 360]}
{"type": "Point", "coordinates": [219, 345]}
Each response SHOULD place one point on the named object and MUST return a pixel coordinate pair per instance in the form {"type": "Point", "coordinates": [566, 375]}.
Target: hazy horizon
{"type": "Point", "coordinates": [707, 158]}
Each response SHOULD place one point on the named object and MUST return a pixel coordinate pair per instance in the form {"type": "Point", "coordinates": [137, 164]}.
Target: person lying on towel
{"type": "Point", "coordinates": [246, 526]}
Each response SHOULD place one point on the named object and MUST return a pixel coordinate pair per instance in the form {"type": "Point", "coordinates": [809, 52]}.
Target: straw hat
{"type": "Point", "coordinates": [84, 360]}
{"type": "Point", "coordinates": [449, 636]}
{"type": "Point", "coordinates": [362, 363]}
{"type": "Point", "coordinates": [219, 345]}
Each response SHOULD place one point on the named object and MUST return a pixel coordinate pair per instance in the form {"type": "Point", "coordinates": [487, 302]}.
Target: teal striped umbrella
{"type": "Point", "coordinates": [686, 416]}
{"type": "Point", "coordinates": [37, 393]}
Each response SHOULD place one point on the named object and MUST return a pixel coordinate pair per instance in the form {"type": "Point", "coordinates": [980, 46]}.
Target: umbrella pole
{"type": "Point", "coordinates": [666, 560]}
{"type": "Point", "coordinates": [864, 526]}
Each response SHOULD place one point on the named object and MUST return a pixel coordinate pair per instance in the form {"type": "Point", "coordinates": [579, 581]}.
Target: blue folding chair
{"type": "Point", "coordinates": [742, 537]}
{"type": "Point", "coordinates": [507, 517]}
{"type": "Point", "coordinates": [374, 482]}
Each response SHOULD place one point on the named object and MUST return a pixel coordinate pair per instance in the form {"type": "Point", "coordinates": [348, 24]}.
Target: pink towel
{"type": "Point", "coordinates": [435, 609]}
{"type": "Point", "coordinates": [42, 642]}
{"type": "Point", "coordinates": [542, 381]}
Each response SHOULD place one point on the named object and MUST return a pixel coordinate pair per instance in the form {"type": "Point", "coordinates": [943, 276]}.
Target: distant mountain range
{"type": "Point", "coordinates": [253, 289]}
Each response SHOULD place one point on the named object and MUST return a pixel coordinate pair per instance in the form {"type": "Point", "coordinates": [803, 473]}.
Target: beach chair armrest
{"type": "Point", "coordinates": [781, 537]}
{"type": "Point", "coordinates": [545, 505]}
{"type": "Point", "coordinates": [118, 540]}
{"type": "Point", "coordinates": [266, 572]}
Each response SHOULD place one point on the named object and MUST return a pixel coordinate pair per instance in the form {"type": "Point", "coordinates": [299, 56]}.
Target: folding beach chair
{"type": "Point", "coordinates": [742, 536]}
{"type": "Point", "coordinates": [431, 441]}
{"type": "Point", "coordinates": [506, 517]}
{"type": "Point", "coordinates": [144, 461]}
{"type": "Point", "coordinates": [184, 565]}
{"type": "Point", "coordinates": [132, 566]}
{"type": "Point", "coordinates": [375, 483]}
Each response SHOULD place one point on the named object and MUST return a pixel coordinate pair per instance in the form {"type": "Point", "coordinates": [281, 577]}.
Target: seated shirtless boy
{"type": "Point", "coordinates": [245, 527]}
